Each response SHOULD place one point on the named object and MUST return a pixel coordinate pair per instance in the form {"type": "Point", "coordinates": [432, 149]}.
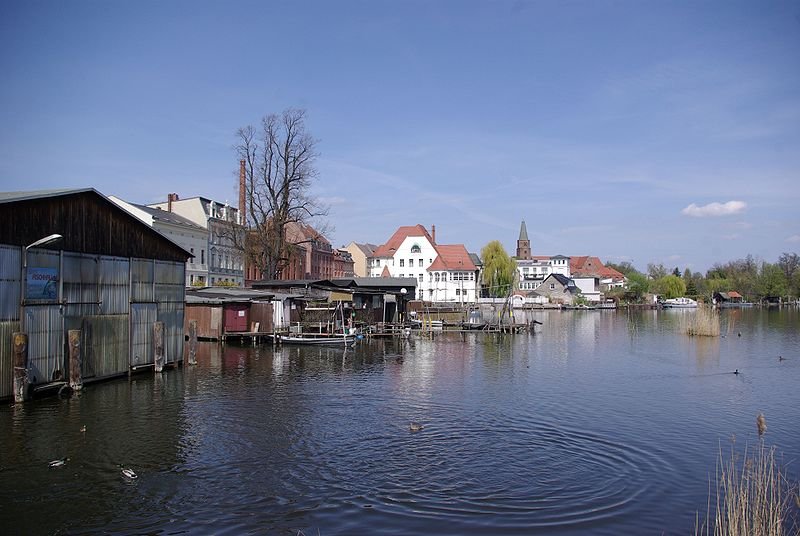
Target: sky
{"type": "Point", "coordinates": [663, 131]}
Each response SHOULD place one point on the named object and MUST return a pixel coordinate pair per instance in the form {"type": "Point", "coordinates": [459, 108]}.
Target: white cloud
{"type": "Point", "coordinates": [794, 238]}
{"type": "Point", "coordinates": [715, 209]}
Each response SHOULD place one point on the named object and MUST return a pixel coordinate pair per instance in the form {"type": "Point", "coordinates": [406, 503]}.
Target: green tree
{"type": "Point", "coordinates": [669, 286]}
{"type": "Point", "coordinates": [636, 287]}
{"type": "Point", "coordinates": [772, 281]}
{"type": "Point", "coordinates": [498, 269]}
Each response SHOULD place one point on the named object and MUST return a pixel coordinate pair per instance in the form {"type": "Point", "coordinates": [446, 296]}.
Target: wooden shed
{"type": "Point", "coordinates": [73, 260]}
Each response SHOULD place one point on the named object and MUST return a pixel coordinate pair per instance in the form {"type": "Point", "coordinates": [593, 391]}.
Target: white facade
{"type": "Point", "coordinates": [589, 287]}
{"type": "Point", "coordinates": [191, 237]}
{"type": "Point", "coordinates": [436, 281]}
{"type": "Point", "coordinates": [533, 271]}
{"type": "Point", "coordinates": [224, 261]}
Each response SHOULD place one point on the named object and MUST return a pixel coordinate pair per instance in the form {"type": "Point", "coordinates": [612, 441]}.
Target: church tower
{"type": "Point", "coordinates": [523, 244]}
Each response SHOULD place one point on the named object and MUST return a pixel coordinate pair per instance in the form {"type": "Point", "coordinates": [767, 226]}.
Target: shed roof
{"type": "Point", "coordinates": [88, 222]}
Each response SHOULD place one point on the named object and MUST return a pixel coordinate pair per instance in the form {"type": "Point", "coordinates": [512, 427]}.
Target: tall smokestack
{"type": "Point", "coordinates": [433, 234]}
{"type": "Point", "coordinates": [242, 192]}
{"type": "Point", "coordinates": [170, 199]}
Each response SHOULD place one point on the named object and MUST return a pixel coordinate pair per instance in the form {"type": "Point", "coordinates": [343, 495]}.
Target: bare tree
{"type": "Point", "coordinates": [279, 171]}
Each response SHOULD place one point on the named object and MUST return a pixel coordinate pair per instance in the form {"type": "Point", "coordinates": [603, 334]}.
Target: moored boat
{"type": "Point", "coordinates": [314, 339]}
{"type": "Point", "coordinates": [680, 303]}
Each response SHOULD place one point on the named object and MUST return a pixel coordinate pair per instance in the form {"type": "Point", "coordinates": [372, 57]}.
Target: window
{"type": "Point", "coordinates": [420, 263]}
{"type": "Point", "coordinates": [415, 249]}
{"type": "Point", "coordinates": [458, 292]}
{"type": "Point", "coordinates": [402, 262]}
{"type": "Point", "coordinates": [437, 277]}
{"type": "Point", "coordinates": [202, 256]}
{"type": "Point", "coordinates": [411, 262]}
{"type": "Point", "coordinates": [552, 286]}
{"type": "Point", "coordinates": [421, 278]}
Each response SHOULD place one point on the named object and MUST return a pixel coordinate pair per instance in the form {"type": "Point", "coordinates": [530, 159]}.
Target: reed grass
{"type": "Point", "coordinates": [753, 495]}
{"type": "Point", "coordinates": [704, 323]}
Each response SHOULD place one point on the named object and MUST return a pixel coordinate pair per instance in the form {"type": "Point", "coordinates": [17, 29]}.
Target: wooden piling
{"type": "Point", "coordinates": [158, 344]}
{"type": "Point", "coordinates": [193, 342]}
{"type": "Point", "coordinates": [20, 341]}
{"type": "Point", "coordinates": [75, 361]}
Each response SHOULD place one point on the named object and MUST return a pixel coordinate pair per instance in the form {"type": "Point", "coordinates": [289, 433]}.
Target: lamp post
{"type": "Point", "coordinates": [24, 287]}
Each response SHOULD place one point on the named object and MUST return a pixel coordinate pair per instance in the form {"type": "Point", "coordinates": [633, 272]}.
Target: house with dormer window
{"type": "Point", "coordinates": [444, 273]}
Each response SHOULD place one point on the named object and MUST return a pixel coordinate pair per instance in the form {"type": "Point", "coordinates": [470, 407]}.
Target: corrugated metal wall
{"type": "Point", "coordinates": [45, 328]}
{"type": "Point", "coordinates": [112, 300]}
{"type": "Point", "coordinates": [170, 293]}
{"type": "Point", "coordinates": [10, 263]}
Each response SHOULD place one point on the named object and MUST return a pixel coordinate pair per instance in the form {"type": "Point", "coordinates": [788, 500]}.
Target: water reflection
{"type": "Point", "coordinates": [602, 423]}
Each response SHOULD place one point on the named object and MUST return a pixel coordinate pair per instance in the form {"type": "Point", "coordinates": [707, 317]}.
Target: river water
{"type": "Point", "coordinates": [600, 422]}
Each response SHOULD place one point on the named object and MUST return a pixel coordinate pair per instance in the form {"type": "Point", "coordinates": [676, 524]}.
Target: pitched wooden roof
{"type": "Point", "coordinates": [592, 266]}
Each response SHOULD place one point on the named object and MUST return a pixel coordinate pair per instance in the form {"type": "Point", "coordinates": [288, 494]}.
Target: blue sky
{"type": "Point", "coordinates": [642, 131]}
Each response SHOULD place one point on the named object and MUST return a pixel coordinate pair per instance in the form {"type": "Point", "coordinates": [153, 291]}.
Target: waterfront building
{"type": "Point", "coordinates": [444, 273]}
{"type": "Point", "coordinates": [72, 260]}
{"type": "Point", "coordinates": [343, 264]}
{"type": "Point", "coordinates": [225, 260]}
{"type": "Point", "coordinates": [184, 232]}
{"type": "Point", "coordinates": [362, 256]}
{"type": "Point", "coordinates": [534, 269]}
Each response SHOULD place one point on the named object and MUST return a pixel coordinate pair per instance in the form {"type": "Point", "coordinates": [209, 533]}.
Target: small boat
{"type": "Point", "coordinates": [330, 340]}
{"type": "Point", "coordinates": [679, 303]}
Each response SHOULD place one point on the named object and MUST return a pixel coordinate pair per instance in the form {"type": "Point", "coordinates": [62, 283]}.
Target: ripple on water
{"type": "Point", "coordinates": [525, 474]}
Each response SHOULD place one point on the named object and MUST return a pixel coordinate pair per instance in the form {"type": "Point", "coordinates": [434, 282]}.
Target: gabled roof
{"type": "Point", "coordinates": [10, 197]}
{"type": "Point", "coordinates": [367, 249]}
{"type": "Point", "coordinates": [452, 257]}
{"type": "Point", "coordinates": [592, 266]}
{"type": "Point", "coordinates": [390, 247]}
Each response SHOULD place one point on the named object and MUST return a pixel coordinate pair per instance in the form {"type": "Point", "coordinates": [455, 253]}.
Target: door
{"type": "Point", "coordinates": [143, 316]}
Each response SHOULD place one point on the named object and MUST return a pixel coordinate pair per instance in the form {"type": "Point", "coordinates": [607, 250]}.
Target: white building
{"type": "Point", "coordinates": [187, 234]}
{"type": "Point", "coordinates": [444, 273]}
{"type": "Point", "coordinates": [225, 261]}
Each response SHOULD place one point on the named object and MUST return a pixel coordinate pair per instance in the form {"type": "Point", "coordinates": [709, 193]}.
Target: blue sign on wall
{"type": "Point", "coordinates": [41, 284]}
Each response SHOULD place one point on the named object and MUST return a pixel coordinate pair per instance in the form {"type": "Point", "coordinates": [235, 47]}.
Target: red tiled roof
{"type": "Point", "coordinates": [592, 266]}
{"type": "Point", "coordinates": [390, 247]}
{"type": "Point", "coordinates": [734, 294]}
{"type": "Point", "coordinates": [452, 257]}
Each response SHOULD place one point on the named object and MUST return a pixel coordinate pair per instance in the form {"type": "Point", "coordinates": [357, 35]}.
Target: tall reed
{"type": "Point", "coordinates": [753, 496]}
{"type": "Point", "coordinates": [705, 322]}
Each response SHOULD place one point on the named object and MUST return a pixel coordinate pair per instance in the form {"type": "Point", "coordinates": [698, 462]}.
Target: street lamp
{"type": "Point", "coordinates": [24, 283]}
{"type": "Point", "coordinates": [41, 242]}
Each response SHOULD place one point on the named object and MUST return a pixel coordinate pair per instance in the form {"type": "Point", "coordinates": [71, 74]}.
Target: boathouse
{"type": "Point", "coordinates": [74, 263]}
{"type": "Point", "coordinates": [221, 312]}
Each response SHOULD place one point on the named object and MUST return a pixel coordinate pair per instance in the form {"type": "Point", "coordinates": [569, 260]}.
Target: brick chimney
{"type": "Point", "coordinates": [242, 193]}
{"type": "Point", "coordinates": [433, 234]}
{"type": "Point", "coordinates": [170, 199]}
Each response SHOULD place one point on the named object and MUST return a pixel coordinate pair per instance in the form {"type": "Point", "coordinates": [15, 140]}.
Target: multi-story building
{"type": "Point", "coordinates": [534, 269]}
{"type": "Point", "coordinates": [362, 256]}
{"type": "Point", "coordinates": [184, 232]}
{"type": "Point", "coordinates": [342, 264]}
{"type": "Point", "coordinates": [444, 273]}
{"type": "Point", "coordinates": [225, 259]}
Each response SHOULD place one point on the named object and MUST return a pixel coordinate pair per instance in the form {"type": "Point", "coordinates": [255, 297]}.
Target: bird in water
{"type": "Point", "coordinates": [415, 427]}
{"type": "Point", "coordinates": [781, 358]}
{"type": "Point", "coordinates": [128, 473]}
{"type": "Point", "coordinates": [740, 334]}
{"type": "Point", "coordinates": [83, 428]}
{"type": "Point", "coordinates": [736, 371]}
{"type": "Point", "coordinates": [58, 463]}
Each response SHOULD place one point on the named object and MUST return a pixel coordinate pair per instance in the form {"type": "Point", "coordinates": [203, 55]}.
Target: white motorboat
{"type": "Point", "coordinates": [680, 303]}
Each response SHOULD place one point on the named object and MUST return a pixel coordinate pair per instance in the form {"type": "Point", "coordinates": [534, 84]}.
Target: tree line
{"type": "Point", "coordinates": [754, 279]}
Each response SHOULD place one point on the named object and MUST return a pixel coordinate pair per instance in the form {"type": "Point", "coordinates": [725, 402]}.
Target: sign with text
{"type": "Point", "coordinates": [41, 284]}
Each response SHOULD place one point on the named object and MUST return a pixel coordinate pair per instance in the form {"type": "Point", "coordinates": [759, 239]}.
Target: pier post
{"type": "Point", "coordinates": [20, 362]}
{"type": "Point", "coordinates": [75, 361]}
{"type": "Point", "coordinates": [193, 342]}
{"type": "Point", "coordinates": [158, 343]}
